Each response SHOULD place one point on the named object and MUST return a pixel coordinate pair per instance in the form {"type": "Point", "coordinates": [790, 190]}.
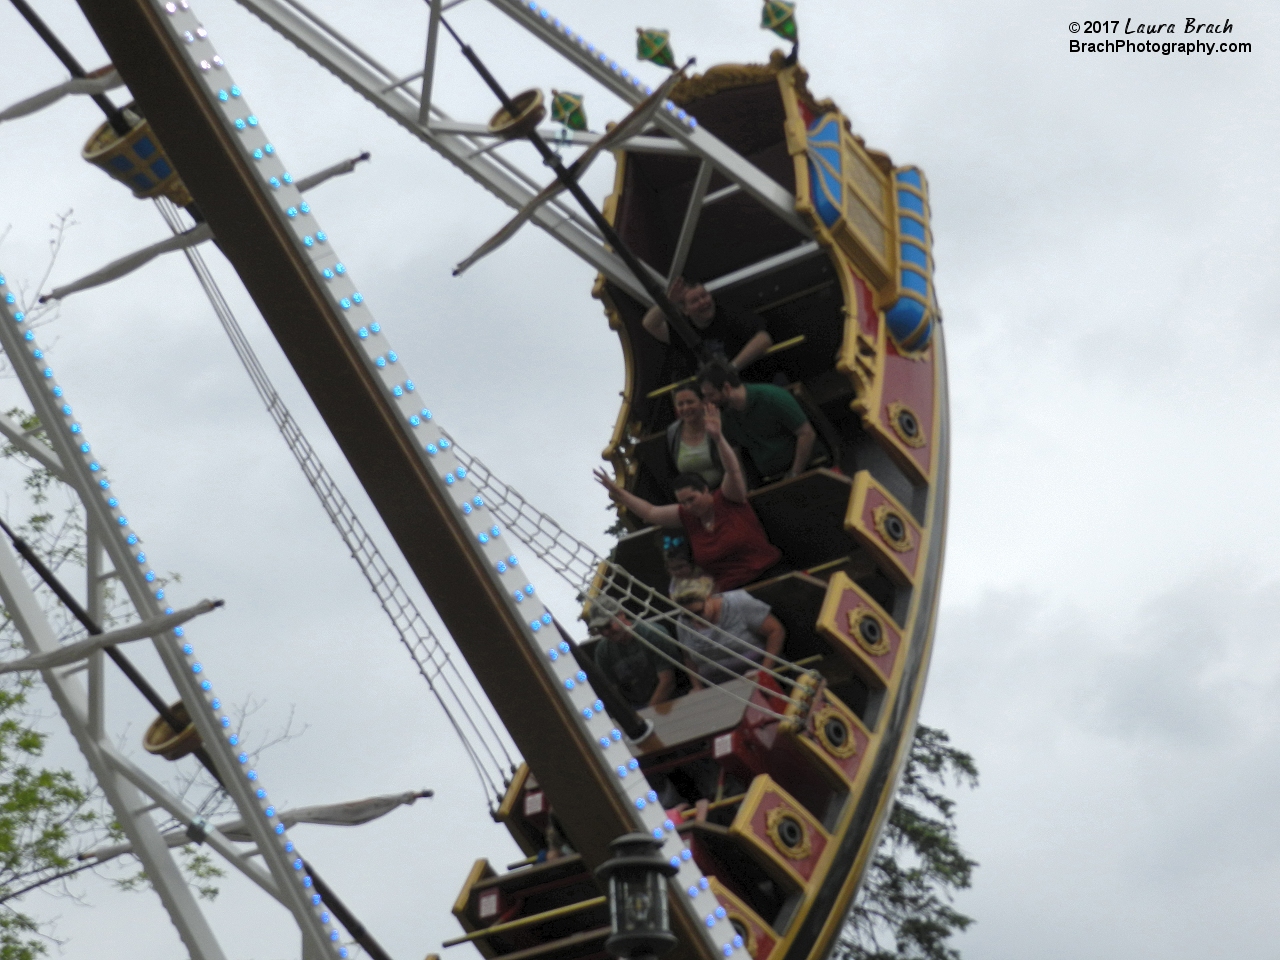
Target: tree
{"type": "Point", "coordinates": [905, 900]}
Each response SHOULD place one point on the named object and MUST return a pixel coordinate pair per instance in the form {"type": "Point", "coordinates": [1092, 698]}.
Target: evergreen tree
{"type": "Point", "coordinates": [903, 911]}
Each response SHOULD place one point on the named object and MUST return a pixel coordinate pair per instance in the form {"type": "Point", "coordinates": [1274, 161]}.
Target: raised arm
{"type": "Point", "coordinates": [752, 350]}
{"type": "Point", "coordinates": [734, 485]}
{"type": "Point", "coordinates": [655, 321]}
{"type": "Point", "coordinates": [665, 516]}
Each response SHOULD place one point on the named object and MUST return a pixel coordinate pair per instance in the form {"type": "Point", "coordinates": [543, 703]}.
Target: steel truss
{"type": "Point", "coordinates": [469, 145]}
{"type": "Point", "coordinates": [134, 794]}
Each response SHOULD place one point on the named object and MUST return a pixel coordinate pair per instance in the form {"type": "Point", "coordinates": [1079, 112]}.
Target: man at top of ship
{"type": "Point", "coordinates": [739, 335]}
{"type": "Point", "coordinates": [726, 536]}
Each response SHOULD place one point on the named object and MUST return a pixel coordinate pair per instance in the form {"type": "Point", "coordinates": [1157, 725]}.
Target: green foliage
{"type": "Point", "coordinates": [42, 814]}
{"type": "Point", "coordinates": [905, 900]}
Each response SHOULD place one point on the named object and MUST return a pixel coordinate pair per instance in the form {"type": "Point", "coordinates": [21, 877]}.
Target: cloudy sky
{"type": "Point", "coordinates": [1105, 237]}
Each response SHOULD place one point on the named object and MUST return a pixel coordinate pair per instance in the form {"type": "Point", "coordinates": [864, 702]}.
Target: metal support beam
{"type": "Point", "coordinates": [691, 215]}
{"type": "Point", "coordinates": [555, 34]}
{"type": "Point", "coordinates": [429, 67]}
{"type": "Point", "coordinates": [125, 799]}
{"type": "Point", "coordinates": [369, 79]}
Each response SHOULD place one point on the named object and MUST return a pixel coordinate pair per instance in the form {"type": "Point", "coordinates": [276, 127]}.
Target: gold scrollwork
{"type": "Point", "coordinates": [903, 419]}
{"type": "Point", "coordinates": [858, 617]}
{"type": "Point", "coordinates": [893, 529]}
{"type": "Point", "coordinates": [779, 819]}
{"type": "Point", "coordinates": [842, 751]}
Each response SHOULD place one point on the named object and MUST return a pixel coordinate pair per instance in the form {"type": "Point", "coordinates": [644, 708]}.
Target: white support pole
{"type": "Point", "coordinates": [429, 67]}
{"type": "Point", "coordinates": [125, 799]}
{"type": "Point", "coordinates": [94, 606]}
{"type": "Point", "coordinates": [691, 215]}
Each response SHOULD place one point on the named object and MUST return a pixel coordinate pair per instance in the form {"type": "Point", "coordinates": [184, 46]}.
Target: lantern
{"type": "Point", "coordinates": [780, 17]}
{"type": "Point", "coordinates": [567, 108]}
{"type": "Point", "coordinates": [637, 878]}
{"type": "Point", "coordinates": [655, 45]}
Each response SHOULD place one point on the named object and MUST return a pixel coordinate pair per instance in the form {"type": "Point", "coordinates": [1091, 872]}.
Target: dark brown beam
{"type": "Point", "coordinates": [253, 235]}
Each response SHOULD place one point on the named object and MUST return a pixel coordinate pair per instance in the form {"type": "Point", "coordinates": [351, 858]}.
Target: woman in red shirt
{"type": "Point", "coordinates": [728, 542]}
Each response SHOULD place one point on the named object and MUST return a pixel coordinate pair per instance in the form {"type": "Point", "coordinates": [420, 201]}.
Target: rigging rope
{"type": "Point", "coordinates": [582, 568]}
{"type": "Point", "coordinates": [465, 713]}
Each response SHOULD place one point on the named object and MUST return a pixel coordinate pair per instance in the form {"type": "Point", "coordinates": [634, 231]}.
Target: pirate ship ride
{"type": "Point", "coordinates": [737, 178]}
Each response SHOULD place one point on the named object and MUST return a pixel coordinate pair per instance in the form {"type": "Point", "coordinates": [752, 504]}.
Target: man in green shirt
{"type": "Point", "coordinates": [765, 421]}
{"type": "Point", "coordinates": [628, 654]}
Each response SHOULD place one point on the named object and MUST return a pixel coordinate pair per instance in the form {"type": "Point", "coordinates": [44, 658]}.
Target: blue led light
{"type": "Point", "coordinates": [500, 567]}
{"type": "Point", "coordinates": [380, 362]}
{"type": "Point", "coordinates": [587, 712]}
{"type": "Point", "coordinates": [392, 356]}
{"type": "Point", "coordinates": [252, 775]}
{"type": "Point", "coordinates": [719, 913]}
{"type": "Point", "coordinates": [397, 391]}
{"type": "Point", "coordinates": [553, 654]}
{"type": "Point", "coordinates": [279, 829]}
{"type": "Point", "coordinates": [179, 632]}
{"type": "Point", "coordinates": [149, 577]}
{"type": "Point", "coordinates": [693, 891]}
{"type": "Point", "coordinates": [123, 521]}
{"type": "Point", "coordinates": [426, 414]}
{"type": "Point", "coordinates": [159, 594]}
{"type": "Point", "coordinates": [270, 811]}
{"type": "Point", "coordinates": [188, 649]}
{"type": "Point", "coordinates": [304, 207]}
{"type": "Point", "coordinates": [362, 333]}
{"type": "Point", "coordinates": [415, 420]}
{"type": "Point", "coordinates": [653, 796]}
{"type": "Point", "coordinates": [431, 449]}
{"type": "Point", "coordinates": [105, 485]}
{"type": "Point", "coordinates": [47, 373]}
{"type": "Point", "coordinates": [727, 950]}
{"type": "Point", "coordinates": [75, 428]}
{"type": "Point", "coordinates": [616, 734]}
{"type": "Point", "coordinates": [291, 212]}
{"type": "Point", "coordinates": [478, 502]}
{"type": "Point", "coordinates": [334, 935]}
{"type": "Point", "coordinates": [737, 942]}
{"type": "Point", "coordinates": [216, 704]}
{"type": "Point", "coordinates": [84, 448]}
{"type": "Point", "coordinates": [222, 95]}
{"type": "Point", "coordinates": [253, 121]}
{"type": "Point", "coordinates": [711, 922]}
{"type": "Point", "coordinates": [605, 743]}
{"type": "Point", "coordinates": [261, 794]}
{"type": "Point", "coordinates": [546, 618]}
{"type": "Point", "coordinates": [535, 626]}
{"type": "Point", "coordinates": [307, 241]}
{"type": "Point", "coordinates": [275, 184]}
{"type": "Point", "coordinates": [342, 953]}
{"type": "Point", "coordinates": [257, 154]}
{"type": "Point", "coordinates": [657, 833]}
{"type": "Point", "coordinates": [35, 353]}
{"type": "Point", "coordinates": [322, 236]}
{"type": "Point", "coordinates": [675, 862]}
{"type": "Point", "coordinates": [297, 864]}
{"type": "Point", "coordinates": [582, 676]}
{"type": "Point", "coordinates": [519, 597]}
{"type": "Point", "coordinates": [408, 385]}
{"type": "Point", "coordinates": [287, 178]}
{"type": "Point", "coordinates": [131, 539]}
{"type": "Point", "coordinates": [268, 149]}
{"type": "Point", "coordinates": [375, 327]}
{"type": "Point", "coordinates": [685, 854]}
{"type": "Point", "coordinates": [494, 531]}
{"type": "Point", "coordinates": [328, 274]}
{"type": "Point", "coordinates": [206, 685]}
{"type": "Point", "coordinates": [315, 899]}
{"type": "Point", "coordinates": [599, 704]}
{"type": "Point", "coordinates": [234, 741]}
{"type": "Point", "coordinates": [243, 758]}
{"type": "Point", "coordinates": [358, 297]}
{"type": "Point", "coordinates": [306, 881]}
{"type": "Point", "coordinates": [28, 335]}
{"type": "Point", "coordinates": [641, 803]}
{"type": "Point", "coordinates": [622, 771]}
{"type": "Point", "coordinates": [19, 317]}
{"type": "Point", "coordinates": [445, 444]}
{"type": "Point", "coordinates": [466, 509]}
{"type": "Point", "coordinates": [528, 589]}
{"type": "Point", "coordinates": [462, 471]}
{"type": "Point", "coordinates": [337, 267]}
{"type": "Point", "coordinates": [633, 764]}
{"type": "Point", "coordinates": [668, 825]}
{"type": "Point", "coordinates": [704, 883]}
{"type": "Point", "coordinates": [235, 91]}
{"type": "Point", "coordinates": [239, 124]}
{"type": "Point", "coordinates": [449, 480]}
{"type": "Point", "coordinates": [225, 721]}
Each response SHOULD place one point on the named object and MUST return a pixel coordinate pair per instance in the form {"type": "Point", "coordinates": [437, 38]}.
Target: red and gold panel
{"type": "Point", "coordinates": [771, 822]}
{"type": "Point", "coordinates": [884, 527]}
{"type": "Point", "coordinates": [851, 619]}
{"type": "Point", "coordinates": [757, 936]}
{"type": "Point", "coordinates": [903, 418]}
{"type": "Point", "coordinates": [837, 737]}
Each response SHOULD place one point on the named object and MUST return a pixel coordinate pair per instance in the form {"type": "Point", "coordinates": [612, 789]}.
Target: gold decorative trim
{"type": "Point", "coordinates": [773, 824]}
{"type": "Point", "coordinates": [856, 619]}
{"type": "Point", "coordinates": [882, 515]}
{"type": "Point", "coordinates": [722, 77]}
{"type": "Point", "coordinates": [841, 751]}
{"type": "Point", "coordinates": [896, 410]}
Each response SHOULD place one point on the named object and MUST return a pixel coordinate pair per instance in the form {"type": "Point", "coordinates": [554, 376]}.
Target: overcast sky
{"type": "Point", "coordinates": [1105, 238]}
